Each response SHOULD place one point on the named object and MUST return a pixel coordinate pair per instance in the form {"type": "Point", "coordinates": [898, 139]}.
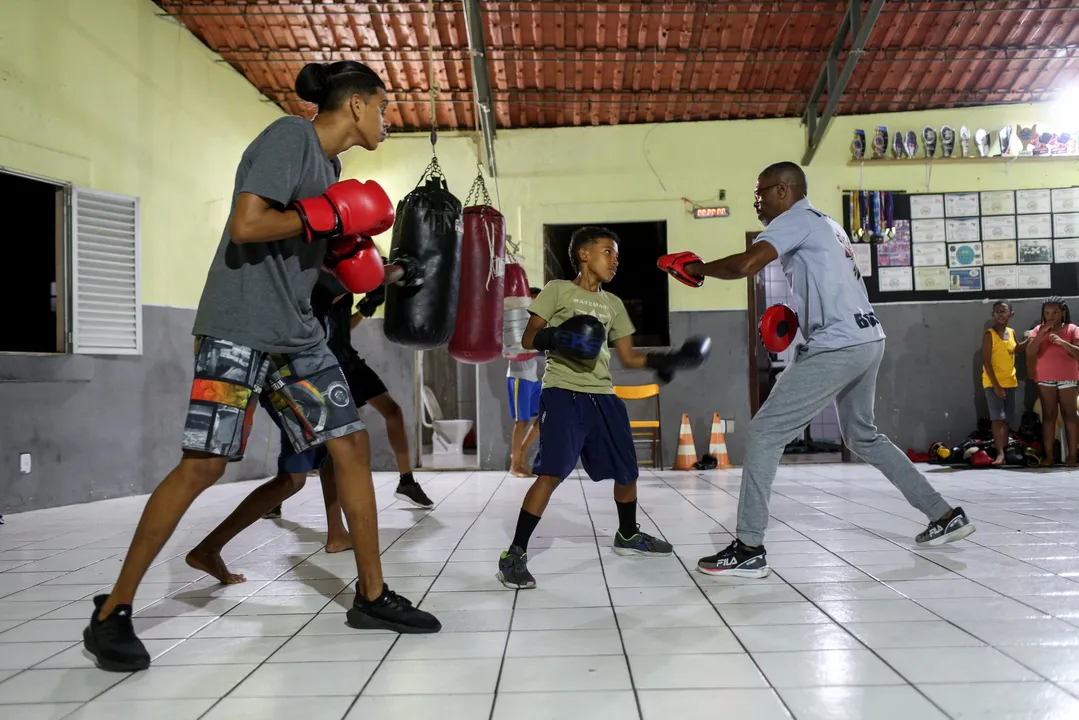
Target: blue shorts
{"type": "Point", "coordinates": [290, 462]}
{"type": "Point", "coordinates": [524, 397]}
{"type": "Point", "coordinates": [590, 427]}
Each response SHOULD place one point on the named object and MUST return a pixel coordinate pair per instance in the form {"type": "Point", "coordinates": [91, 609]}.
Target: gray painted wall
{"type": "Point", "coordinates": [107, 427]}
{"type": "Point", "coordinates": [104, 427]}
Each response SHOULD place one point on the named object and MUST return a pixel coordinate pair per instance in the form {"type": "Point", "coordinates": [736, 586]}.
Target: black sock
{"type": "Point", "coordinates": [407, 479]}
{"type": "Point", "coordinates": [627, 518]}
{"type": "Point", "coordinates": [526, 525]}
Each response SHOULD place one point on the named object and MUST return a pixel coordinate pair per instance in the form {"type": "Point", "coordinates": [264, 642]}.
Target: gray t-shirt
{"type": "Point", "coordinates": [259, 294]}
{"type": "Point", "coordinates": [829, 294]}
{"type": "Point", "coordinates": [531, 369]}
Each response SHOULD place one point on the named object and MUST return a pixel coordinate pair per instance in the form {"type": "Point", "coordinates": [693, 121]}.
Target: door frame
{"type": "Point", "coordinates": [752, 340]}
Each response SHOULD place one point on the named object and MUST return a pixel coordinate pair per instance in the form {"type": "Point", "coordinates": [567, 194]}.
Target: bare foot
{"type": "Point", "coordinates": [211, 562]}
{"type": "Point", "coordinates": [999, 460]}
{"type": "Point", "coordinates": [338, 544]}
{"type": "Point", "coordinates": [521, 472]}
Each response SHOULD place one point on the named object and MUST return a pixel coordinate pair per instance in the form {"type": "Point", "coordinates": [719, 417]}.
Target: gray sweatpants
{"type": "Point", "coordinates": [849, 376]}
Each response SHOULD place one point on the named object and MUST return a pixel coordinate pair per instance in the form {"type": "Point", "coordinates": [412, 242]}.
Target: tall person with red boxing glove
{"type": "Point", "coordinates": [838, 362]}
{"type": "Point", "coordinates": [256, 336]}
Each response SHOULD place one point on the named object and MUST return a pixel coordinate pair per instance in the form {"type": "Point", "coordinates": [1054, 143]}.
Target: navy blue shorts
{"type": "Point", "coordinates": [290, 462]}
{"type": "Point", "coordinates": [586, 426]}
{"type": "Point", "coordinates": [524, 398]}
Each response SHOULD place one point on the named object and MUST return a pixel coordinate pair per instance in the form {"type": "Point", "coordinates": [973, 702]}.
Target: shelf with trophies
{"type": "Point", "coordinates": [949, 145]}
{"type": "Point", "coordinates": [929, 247]}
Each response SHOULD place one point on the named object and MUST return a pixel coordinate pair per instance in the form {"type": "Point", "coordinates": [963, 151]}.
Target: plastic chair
{"type": "Point", "coordinates": [645, 432]}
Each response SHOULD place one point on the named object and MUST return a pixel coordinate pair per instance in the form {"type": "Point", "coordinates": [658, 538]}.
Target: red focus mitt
{"type": "Point", "coordinates": [356, 263]}
{"type": "Point", "coordinates": [349, 207]}
{"type": "Point", "coordinates": [675, 265]}
{"type": "Point", "coordinates": [777, 328]}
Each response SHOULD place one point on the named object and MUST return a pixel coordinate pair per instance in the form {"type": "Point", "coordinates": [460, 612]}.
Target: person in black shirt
{"type": "Point", "coordinates": [332, 305]}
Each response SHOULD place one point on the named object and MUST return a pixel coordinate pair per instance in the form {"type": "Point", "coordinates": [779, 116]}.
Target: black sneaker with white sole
{"type": "Point", "coordinates": [957, 527]}
{"type": "Point", "coordinates": [513, 569]}
{"type": "Point", "coordinates": [113, 642]}
{"type": "Point", "coordinates": [412, 493]}
{"type": "Point", "coordinates": [390, 611]}
{"type": "Point", "coordinates": [736, 560]}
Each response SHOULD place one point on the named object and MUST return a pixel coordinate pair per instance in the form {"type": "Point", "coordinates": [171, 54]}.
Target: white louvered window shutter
{"type": "Point", "coordinates": [106, 298]}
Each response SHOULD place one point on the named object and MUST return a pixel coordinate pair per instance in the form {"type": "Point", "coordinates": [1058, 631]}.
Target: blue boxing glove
{"type": "Point", "coordinates": [580, 338]}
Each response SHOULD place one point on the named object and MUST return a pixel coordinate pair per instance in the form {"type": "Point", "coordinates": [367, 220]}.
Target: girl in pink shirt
{"type": "Point", "coordinates": [1052, 356]}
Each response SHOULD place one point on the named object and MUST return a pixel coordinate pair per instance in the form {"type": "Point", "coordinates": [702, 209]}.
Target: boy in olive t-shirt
{"type": "Point", "coordinates": [579, 415]}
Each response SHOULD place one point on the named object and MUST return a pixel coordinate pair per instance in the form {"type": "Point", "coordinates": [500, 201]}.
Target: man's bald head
{"type": "Point", "coordinates": [788, 173]}
{"type": "Point", "coordinates": [779, 186]}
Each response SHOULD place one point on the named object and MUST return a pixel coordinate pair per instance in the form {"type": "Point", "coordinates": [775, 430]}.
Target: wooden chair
{"type": "Point", "coordinates": [645, 432]}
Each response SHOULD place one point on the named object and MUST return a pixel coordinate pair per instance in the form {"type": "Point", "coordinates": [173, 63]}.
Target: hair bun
{"type": "Point", "coordinates": [312, 83]}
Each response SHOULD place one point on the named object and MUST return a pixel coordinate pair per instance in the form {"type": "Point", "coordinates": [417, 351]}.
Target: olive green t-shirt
{"type": "Point", "coordinates": [559, 301]}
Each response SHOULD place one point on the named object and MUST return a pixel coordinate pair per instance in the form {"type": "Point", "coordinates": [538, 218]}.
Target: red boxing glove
{"type": "Point", "coordinates": [349, 207]}
{"type": "Point", "coordinates": [356, 263]}
{"type": "Point", "coordinates": [675, 265]}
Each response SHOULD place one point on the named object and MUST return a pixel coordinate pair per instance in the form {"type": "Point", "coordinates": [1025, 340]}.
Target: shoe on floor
{"type": "Point", "coordinates": [412, 493]}
{"type": "Point", "coordinates": [274, 514]}
{"type": "Point", "coordinates": [390, 611]}
{"type": "Point", "coordinates": [641, 544]}
{"type": "Point", "coordinates": [513, 569]}
{"type": "Point", "coordinates": [736, 560]}
{"type": "Point", "coordinates": [113, 642]}
{"type": "Point", "coordinates": [937, 533]}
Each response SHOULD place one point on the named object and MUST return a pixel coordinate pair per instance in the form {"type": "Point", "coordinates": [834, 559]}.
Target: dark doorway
{"type": "Point", "coordinates": [34, 246]}
{"type": "Point", "coordinates": [639, 284]}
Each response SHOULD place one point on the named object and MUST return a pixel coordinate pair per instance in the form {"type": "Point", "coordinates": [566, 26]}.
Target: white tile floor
{"type": "Point", "coordinates": [853, 622]}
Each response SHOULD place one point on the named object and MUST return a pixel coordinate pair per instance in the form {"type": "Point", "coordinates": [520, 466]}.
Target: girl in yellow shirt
{"type": "Point", "coordinates": [999, 379]}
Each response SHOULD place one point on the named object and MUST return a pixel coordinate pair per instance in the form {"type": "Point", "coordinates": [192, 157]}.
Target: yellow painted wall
{"type": "Point", "coordinates": [109, 95]}
{"type": "Point", "coordinates": [106, 94]}
{"type": "Point", "coordinates": [602, 174]}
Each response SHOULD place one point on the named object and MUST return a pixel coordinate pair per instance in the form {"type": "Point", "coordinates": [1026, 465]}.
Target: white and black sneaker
{"type": "Point", "coordinates": [940, 532]}
{"type": "Point", "coordinates": [410, 491]}
{"type": "Point", "coordinates": [737, 560]}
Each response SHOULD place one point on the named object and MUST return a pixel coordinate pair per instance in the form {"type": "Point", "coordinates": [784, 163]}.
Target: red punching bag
{"type": "Point", "coordinates": [515, 310]}
{"type": "Point", "coordinates": [477, 335]}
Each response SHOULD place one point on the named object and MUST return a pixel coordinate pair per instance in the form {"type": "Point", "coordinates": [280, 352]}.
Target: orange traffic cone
{"type": "Point", "coordinates": [687, 454]}
{"type": "Point", "coordinates": [717, 444]}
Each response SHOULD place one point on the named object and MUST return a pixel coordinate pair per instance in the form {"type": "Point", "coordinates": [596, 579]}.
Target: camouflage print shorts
{"type": "Point", "coordinates": [305, 392]}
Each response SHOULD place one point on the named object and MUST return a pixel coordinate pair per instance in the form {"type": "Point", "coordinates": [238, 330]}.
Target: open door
{"type": "Point", "coordinates": [821, 440]}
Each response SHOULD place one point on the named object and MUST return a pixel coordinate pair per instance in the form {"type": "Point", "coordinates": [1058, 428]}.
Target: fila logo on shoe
{"type": "Point", "coordinates": [729, 560]}
{"type": "Point", "coordinates": [935, 530]}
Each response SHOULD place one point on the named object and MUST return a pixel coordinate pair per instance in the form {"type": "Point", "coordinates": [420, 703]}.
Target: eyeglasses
{"type": "Point", "coordinates": [758, 191]}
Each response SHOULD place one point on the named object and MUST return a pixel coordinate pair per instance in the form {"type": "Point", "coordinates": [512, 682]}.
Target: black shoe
{"type": "Point", "coordinates": [390, 612]}
{"type": "Point", "coordinates": [411, 492]}
{"type": "Point", "coordinates": [513, 569]}
{"type": "Point", "coordinates": [113, 642]}
{"type": "Point", "coordinates": [274, 514]}
{"type": "Point", "coordinates": [736, 560]}
{"type": "Point", "coordinates": [938, 533]}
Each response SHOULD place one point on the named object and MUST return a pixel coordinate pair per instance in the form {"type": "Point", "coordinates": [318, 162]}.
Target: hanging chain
{"type": "Point", "coordinates": [479, 190]}
{"type": "Point", "coordinates": [435, 88]}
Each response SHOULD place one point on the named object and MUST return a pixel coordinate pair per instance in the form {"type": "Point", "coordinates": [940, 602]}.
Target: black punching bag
{"type": "Point", "coordinates": [428, 228]}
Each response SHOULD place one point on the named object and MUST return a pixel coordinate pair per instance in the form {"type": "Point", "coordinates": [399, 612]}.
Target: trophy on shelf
{"type": "Point", "coordinates": [1044, 143]}
{"type": "Point", "coordinates": [947, 140]}
{"type": "Point", "coordinates": [964, 141]}
{"type": "Point", "coordinates": [857, 146]}
{"type": "Point", "coordinates": [1026, 136]}
{"type": "Point", "coordinates": [911, 145]}
{"type": "Point", "coordinates": [880, 142]}
{"type": "Point", "coordinates": [984, 141]}
{"type": "Point", "coordinates": [1005, 139]}
{"type": "Point", "coordinates": [897, 144]}
{"type": "Point", "coordinates": [929, 137]}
